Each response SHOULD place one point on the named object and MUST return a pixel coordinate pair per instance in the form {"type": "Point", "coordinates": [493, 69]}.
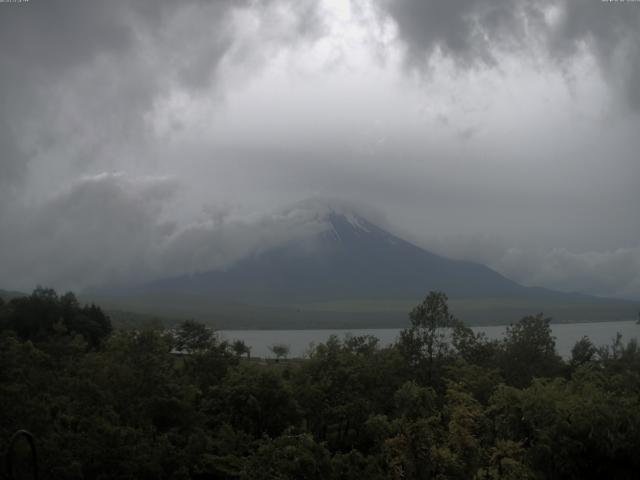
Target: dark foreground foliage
{"type": "Point", "coordinates": [442, 403]}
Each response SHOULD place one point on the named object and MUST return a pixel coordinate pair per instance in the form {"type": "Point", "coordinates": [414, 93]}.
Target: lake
{"type": "Point", "coordinates": [566, 334]}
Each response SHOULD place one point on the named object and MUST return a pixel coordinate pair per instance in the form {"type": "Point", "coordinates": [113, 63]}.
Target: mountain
{"type": "Point", "coordinates": [351, 259]}
{"type": "Point", "coordinates": [7, 295]}
{"type": "Point", "coordinates": [350, 271]}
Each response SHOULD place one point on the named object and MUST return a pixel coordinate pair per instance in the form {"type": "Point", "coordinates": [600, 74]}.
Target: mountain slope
{"type": "Point", "coordinates": [7, 295]}
{"type": "Point", "coordinates": [350, 273]}
{"type": "Point", "coordinates": [351, 259]}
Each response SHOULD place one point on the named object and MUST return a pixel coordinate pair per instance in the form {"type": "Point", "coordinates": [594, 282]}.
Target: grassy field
{"type": "Point", "coordinates": [491, 311]}
{"type": "Point", "coordinates": [352, 313]}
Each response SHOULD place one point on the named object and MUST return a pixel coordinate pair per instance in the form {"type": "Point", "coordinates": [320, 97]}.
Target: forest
{"type": "Point", "coordinates": [441, 403]}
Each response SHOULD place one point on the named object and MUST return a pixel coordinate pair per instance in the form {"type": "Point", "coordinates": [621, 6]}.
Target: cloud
{"type": "Point", "coordinates": [469, 31]}
{"type": "Point", "coordinates": [607, 273]}
{"type": "Point", "coordinates": [225, 237]}
{"type": "Point", "coordinates": [45, 42]}
{"type": "Point", "coordinates": [104, 227]}
{"type": "Point", "coordinates": [512, 134]}
{"type": "Point", "coordinates": [79, 81]}
{"type": "Point", "coordinates": [114, 229]}
{"type": "Point", "coordinates": [613, 273]}
{"type": "Point", "coordinates": [609, 30]}
{"type": "Point", "coordinates": [477, 33]}
{"type": "Point", "coordinates": [81, 84]}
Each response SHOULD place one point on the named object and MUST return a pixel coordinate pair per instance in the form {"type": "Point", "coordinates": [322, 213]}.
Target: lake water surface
{"type": "Point", "coordinates": [299, 340]}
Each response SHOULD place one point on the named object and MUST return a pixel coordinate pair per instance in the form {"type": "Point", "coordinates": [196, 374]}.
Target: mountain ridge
{"type": "Point", "coordinates": [352, 256]}
{"type": "Point", "coordinates": [350, 272]}
{"type": "Point", "coordinates": [346, 234]}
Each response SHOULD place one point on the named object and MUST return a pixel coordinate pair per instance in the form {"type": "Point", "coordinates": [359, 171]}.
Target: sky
{"type": "Point", "coordinates": [152, 138]}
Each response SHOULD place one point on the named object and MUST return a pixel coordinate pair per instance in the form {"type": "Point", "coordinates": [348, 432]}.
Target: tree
{"type": "Point", "coordinates": [474, 348]}
{"type": "Point", "coordinates": [340, 387]}
{"type": "Point", "coordinates": [280, 350]}
{"type": "Point", "coordinates": [4, 314]}
{"type": "Point", "coordinates": [39, 316]}
{"type": "Point", "coordinates": [208, 367]}
{"type": "Point", "coordinates": [530, 351]}
{"type": "Point", "coordinates": [426, 342]}
{"type": "Point", "coordinates": [584, 351]}
{"type": "Point", "coordinates": [361, 344]}
{"type": "Point", "coordinates": [253, 399]}
{"type": "Point", "coordinates": [506, 462]}
{"type": "Point", "coordinates": [192, 336]}
{"type": "Point", "coordinates": [413, 401]}
{"type": "Point", "coordinates": [91, 322]}
{"type": "Point", "coordinates": [289, 457]}
{"type": "Point", "coordinates": [240, 348]}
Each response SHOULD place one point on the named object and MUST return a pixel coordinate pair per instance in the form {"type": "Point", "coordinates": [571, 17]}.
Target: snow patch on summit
{"type": "Point", "coordinates": [357, 222]}
{"type": "Point", "coordinates": [334, 219]}
{"type": "Point", "coordinates": [325, 210]}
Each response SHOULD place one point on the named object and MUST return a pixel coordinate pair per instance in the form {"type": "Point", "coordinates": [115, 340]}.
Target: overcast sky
{"type": "Point", "coordinates": [141, 139]}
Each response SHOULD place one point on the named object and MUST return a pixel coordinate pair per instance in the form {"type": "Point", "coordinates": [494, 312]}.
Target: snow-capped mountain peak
{"type": "Point", "coordinates": [334, 215]}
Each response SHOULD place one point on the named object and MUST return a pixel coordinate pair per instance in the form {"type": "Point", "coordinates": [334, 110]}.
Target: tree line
{"type": "Point", "coordinates": [442, 402]}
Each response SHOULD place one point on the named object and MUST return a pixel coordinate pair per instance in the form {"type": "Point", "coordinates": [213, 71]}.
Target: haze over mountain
{"type": "Point", "coordinates": [347, 265]}
{"type": "Point", "coordinates": [140, 139]}
{"type": "Point", "coordinates": [350, 258]}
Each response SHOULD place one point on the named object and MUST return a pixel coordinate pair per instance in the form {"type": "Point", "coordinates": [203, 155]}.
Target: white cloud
{"type": "Point", "coordinates": [523, 125]}
{"type": "Point", "coordinates": [607, 273]}
{"type": "Point", "coordinates": [102, 227]}
{"type": "Point", "coordinates": [613, 273]}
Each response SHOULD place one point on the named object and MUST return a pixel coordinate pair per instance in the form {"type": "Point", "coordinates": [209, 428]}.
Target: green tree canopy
{"type": "Point", "coordinates": [280, 350]}
{"type": "Point", "coordinates": [530, 351]}
{"type": "Point", "coordinates": [427, 341]}
{"type": "Point", "coordinates": [191, 336]}
{"type": "Point", "coordinates": [35, 317]}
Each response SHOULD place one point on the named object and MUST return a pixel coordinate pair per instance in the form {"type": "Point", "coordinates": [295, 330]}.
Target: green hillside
{"type": "Point", "coordinates": [357, 313]}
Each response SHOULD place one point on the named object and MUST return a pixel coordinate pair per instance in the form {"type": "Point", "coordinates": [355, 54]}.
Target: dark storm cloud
{"type": "Point", "coordinates": [113, 229]}
{"type": "Point", "coordinates": [261, 103]}
{"type": "Point", "coordinates": [467, 30]}
{"type": "Point", "coordinates": [473, 32]}
{"type": "Point", "coordinates": [93, 70]}
{"type": "Point", "coordinates": [611, 30]}
{"type": "Point", "coordinates": [102, 227]}
{"type": "Point", "coordinates": [79, 84]}
{"type": "Point", "coordinates": [42, 42]}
